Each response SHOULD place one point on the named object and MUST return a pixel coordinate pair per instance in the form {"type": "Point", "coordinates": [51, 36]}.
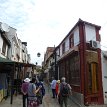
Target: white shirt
{"type": "Point", "coordinates": [53, 84]}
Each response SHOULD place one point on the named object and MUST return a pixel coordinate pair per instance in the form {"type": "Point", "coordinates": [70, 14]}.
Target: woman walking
{"type": "Point", "coordinates": [32, 91]}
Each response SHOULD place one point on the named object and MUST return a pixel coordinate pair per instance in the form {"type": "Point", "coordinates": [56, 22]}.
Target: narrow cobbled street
{"type": "Point", "coordinates": [48, 101]}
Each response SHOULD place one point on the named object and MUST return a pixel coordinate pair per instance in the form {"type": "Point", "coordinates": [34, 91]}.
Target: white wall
{"type": "Point", "coordinates": [67, 44]}
{"type": "Point", "coordinates": [24, 54]}
{"type": "Point", "coordinates": [28, 58]}
{"type": "Point", "coordinates": [10, 36]}
{"type": "Point", "coordinates": [60, 49]}
{"type": "Point", "coordinates": [76, 40]}
{"type": "Point", "coordinates": [90, 32]}
{"type": "Point", "coordinates": [104, 77]}
{"type": "Point", "coordinates": [12, 55]}
{"type": "Point", "coordinates": [20, 50]}
{"type": "Point", "coordinates": [57, 53]}
{"type": "Point", "coordinates": [15, 48]}
{"type": "Point", "coordinates": [76, 36]}
{"type": "Point", "coordinates": [11, 33]}
{"type": "Point", "coordinates": [6, 50]}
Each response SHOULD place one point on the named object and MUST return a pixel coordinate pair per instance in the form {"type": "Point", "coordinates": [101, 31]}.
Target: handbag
{"type": "Point", "coordinates": [33, 103]}
{"type": "Point", "coordinates": [32, 100]}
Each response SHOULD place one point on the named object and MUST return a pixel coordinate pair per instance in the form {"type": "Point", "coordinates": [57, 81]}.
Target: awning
{"type": "Point", "coordinates": [25, 64]}
{"type": "Point", "coordinates": [4, 65]}
{"type": "Point", "coordinates": [3, 60]}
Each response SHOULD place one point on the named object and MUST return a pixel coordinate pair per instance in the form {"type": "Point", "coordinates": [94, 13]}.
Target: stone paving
{"type": "Point", "coordinates": [48, 101]}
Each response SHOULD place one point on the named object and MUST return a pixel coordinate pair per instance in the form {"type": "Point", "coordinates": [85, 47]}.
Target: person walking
{"type": "Point", "coordinates": [32, 91]}
{"type": "Point", "coordinates": [41, 92]}
{"type": "Point", "coordinates": [24, 90]}
{"type": "Point", "coordinates": [53, 86]}
{"type": "Point", "coordinates": [57, 87]}
{"type": "Point", "coordinates": [65, 90]}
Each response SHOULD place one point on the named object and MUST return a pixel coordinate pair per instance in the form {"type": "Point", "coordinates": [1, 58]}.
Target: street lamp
{"type": "Point", "coordinates": [36, 63]}
{"type": "Point", "coordinates": [38, 54]}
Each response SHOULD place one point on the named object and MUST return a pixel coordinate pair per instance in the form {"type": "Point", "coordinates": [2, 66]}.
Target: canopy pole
{"type": "Point", "coordinates": [12, 82]}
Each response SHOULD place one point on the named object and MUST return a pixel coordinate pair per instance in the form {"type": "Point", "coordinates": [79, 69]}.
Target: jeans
{"type": "Point", "coordinates": [54, 93]}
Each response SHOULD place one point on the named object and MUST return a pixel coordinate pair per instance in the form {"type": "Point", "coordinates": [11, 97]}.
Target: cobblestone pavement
{"type": "Point", "coordinates": [48, 101]}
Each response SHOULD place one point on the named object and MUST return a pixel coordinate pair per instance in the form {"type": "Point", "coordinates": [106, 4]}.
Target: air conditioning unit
{"type": "Point", "coordinates": [94, 44]}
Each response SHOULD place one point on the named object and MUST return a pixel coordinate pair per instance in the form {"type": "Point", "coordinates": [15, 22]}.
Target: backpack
{"type": "Point", "coordinates": [65, 90]}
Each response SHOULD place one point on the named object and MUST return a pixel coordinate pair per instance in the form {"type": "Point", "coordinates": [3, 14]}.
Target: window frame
{"type": "Point", "coordinates": [63, 48]}
{"type": "Point", "coordinates": [4, 47]}
{"type": "Point", "coordinates": [71, 41]}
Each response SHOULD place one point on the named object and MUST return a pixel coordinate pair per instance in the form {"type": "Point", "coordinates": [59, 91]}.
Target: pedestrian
{"type": "Point", "coordinates": [41, 92]}
{"type": "Point", "coordinates": [32, 91]}
{"type": "Point", "coordinates": [53, 86]}
{"type": "Point", "coordinates": [24, 90]}
{"type": "Point", "coordinates": [57, 87]}
{"type": "Point", "coordinates": [65, 90]}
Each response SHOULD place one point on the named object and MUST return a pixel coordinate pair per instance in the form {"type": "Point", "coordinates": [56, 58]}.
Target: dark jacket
{"type": "Point", "coordinates": [42, 90]}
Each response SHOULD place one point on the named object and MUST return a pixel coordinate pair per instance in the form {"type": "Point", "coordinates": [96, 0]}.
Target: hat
{"type": "Point", "coordinates": [58, 81]}
{"type": "Point", "coordinates": [26, 80]}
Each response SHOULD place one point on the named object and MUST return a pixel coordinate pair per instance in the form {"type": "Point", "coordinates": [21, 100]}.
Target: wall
{"type": "Point", "coordinates": [1, 44]}
{"type": "Point", "coordinates": [76, 40]}
{"type": "Point", "coordinates": [90, 32]}
{"type": "Point", "coordinates": [10, 36]}
{"type": "Point", "coordinates": [24, 54]}
{"type": "Point", "coordinates": [11, 33]}
{"type": "Point", "coordinates": [104, 76]}
{"type": "Point", "coordinates": [76, 36]}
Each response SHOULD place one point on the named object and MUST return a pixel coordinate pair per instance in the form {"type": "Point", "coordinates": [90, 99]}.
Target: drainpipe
{"type": "Point", "coordinates": [55, 66]}
{"type": "Point", "coordinates": [84, 55]}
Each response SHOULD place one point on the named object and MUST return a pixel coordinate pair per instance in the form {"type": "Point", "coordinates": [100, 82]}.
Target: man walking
{"type": "Point", "coordinates": [53, 87]}
{"type": "Point", "coordinates": [24, 90]}
{"type": "Point", "coordinates": [65, 90]}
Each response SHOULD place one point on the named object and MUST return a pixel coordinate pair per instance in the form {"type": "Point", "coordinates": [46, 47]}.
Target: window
{"type": "Point", "coordinates": [4, 48]}
{"type": "Point", "coordinates": [63, 48]}
{"type": "Point", "coordinates": [71, 41]}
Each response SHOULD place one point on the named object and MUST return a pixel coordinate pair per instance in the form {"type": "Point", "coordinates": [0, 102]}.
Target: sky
{"type": "Point", "coordinates": [44, 23]}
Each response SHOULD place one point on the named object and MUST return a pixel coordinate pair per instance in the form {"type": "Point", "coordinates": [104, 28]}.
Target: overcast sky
{"type": "Point", "coordinates": [44, 23]}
